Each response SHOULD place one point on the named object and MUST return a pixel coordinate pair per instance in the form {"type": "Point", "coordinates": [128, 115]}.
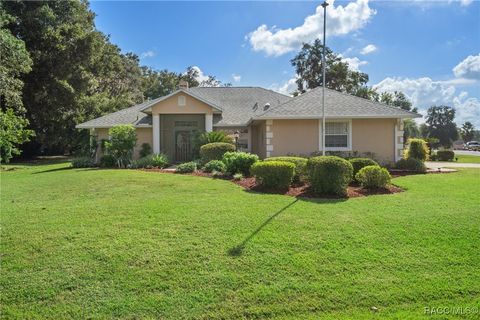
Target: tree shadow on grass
{"type": "Point", "coordinates": [65, 169]}
{"type": "Point", "coordinates": [238, 250]}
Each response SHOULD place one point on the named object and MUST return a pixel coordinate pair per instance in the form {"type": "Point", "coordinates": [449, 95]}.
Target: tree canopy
{"type": "Point", "coordinates": [440, 124]}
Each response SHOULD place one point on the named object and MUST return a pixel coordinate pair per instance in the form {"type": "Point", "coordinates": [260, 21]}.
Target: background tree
{"type": "Point", "coordinates": [339, 76]}
{"type": "Point", "coordinates": [14, 62]}
{"type": "Point", "coordinates": [440, 124]}
{"type": "Point", "coordinates": [77, 73]}
{"type": "Point", "coordinates": [397, 99]}
{"type": "Point", "coordinates": [467, 131]}
{"type": "Point", "coordinates": [410, 129]}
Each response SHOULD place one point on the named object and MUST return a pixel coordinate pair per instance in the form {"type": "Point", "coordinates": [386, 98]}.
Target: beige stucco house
{"type": "Point", "coordinates": [269, 123]}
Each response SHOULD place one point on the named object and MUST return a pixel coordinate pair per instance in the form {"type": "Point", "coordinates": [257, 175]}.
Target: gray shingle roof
{"type": "Point", "coordinates": [131, 115]}
{"type": "Point", "coordinates": [238, 103]}
{"type": "Point", "coordinates": [337, 105]}
{"type": "Point", "coordinates": [241, 104]}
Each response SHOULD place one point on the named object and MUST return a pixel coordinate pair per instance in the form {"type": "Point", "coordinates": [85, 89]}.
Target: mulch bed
{"type": "Point", "coordinates": [303, 190]}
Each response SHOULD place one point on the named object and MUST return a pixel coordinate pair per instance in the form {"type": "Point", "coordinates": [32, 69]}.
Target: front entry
{"type": "Point", "coordinates": [176, 131]}
{"type": "Point", "coordinates": [183, 147]}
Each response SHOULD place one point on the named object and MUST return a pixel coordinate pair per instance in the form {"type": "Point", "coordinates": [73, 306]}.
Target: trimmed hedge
{"type": "Point", "coordinates": [445, 155]}
{"type": "Point", "coordinates": [329, 174]}
{"type": "Point", "coordinates": [373, 177]}
{"type": "Point", "coordinates": [417, 149]}
{"type": "Point", "coordinates": [300, 166]}
{"type": "Point", "coordinates": [411, 164]}
{"type": "Point", "coordinates": [82, 162]}
{"type": "Point", "coordinates": [215, 151]}
{"type": "Point", "coordinates": [274, 174]}
{"type": "Point", "coordinates": [187, 167]}
{"type": "Point", "coordinates": [214, 165]}
{"type": "Point", "coordinates": [239, 162]}
{"type": "Point", "coordinates": [359, 163]}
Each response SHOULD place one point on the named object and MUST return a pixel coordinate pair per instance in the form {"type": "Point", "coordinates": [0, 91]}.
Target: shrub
{"type": "Point", "coordinates": [217, 174]}
{"type": "Point", "coordinates": [214, 165]}
{"type": "Point", "coordinates": [202, 138]}
{"type": "Point", "coordinates": [417, 149]}
{"type": "Point", "coordinates": [151, 161]}
{"type": "Point", "coordinates": [237, 176]}
{"type": "Point", "coordinates": [122, 141]}
{"type": "Point", "coordinates": [433, 157]}
{"type": "Point", "coordinates": [215, 151]}
{"type": "Point", "coordinates": [411, 164]}
{"type": "Point", "coordinates": [445, 155]}
{"type": "Point", "coordinates": [145, 150]}
{"type": "Point", "coordinates": [329, 174]}
{"type": "Point", "coordinates": [83, 162]}
{"type": "Point", "coordinates": [187, 167]}
{"type": "Point", "coordinates": [107, 161]}
{"type": "Point", "coordinates": [239, 162]}
{"type": "Point", "coordinates": [373, 177]}
{"type": "Point", "coordinates": [274, 174]}
{"type": "Point", "coordinates": [359, 163]}
{"type": "Point", "coordinates": [300, 166]}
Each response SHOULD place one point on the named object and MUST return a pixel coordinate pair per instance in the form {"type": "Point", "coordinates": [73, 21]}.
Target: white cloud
{"type": "Point", "coordinates": [147, 54]}
{"type": "Point", "coordinates": [288, 87]}
{"type": "Point", "coordinates": [236, 77]}
{"type": "Point", "coordinates": [369, 49]}
{"type": "Point", "coordinates": [200, 75]}
{"type": "Point", "coordinates": [465, 3]}
{"type": "Point", "coordinates": [469, 68]}
{"type": "Point", "coordinates": [425, 92]}
{"type": "Point", "coordinates": [354, 63]}
{"type": "Point", "coordinates": [340, 20]}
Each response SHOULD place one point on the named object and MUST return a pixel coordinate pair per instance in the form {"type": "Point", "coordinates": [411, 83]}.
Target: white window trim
{"type": "Point", "coordinates": [349, 138]}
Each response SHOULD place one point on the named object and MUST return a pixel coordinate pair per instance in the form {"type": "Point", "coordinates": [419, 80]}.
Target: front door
{"type": "Point", "coordinates": [183, 147]}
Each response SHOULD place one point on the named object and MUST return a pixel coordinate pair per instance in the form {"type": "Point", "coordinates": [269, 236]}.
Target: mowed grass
{"type": "Point", "coordinates": [467, 158]}
{"type": "Point", "coordinates": [88, 243]}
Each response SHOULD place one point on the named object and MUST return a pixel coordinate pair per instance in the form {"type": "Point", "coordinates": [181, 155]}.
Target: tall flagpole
{"type": "Point", "coordinates": [324, 5]}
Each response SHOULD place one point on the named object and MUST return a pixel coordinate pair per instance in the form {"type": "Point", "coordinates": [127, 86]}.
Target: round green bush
{"type": "Point", "coordinates": [239, 162]}
{"type": "Point", "coordinates": [445, 155]}
{"type": "Point", "coordinates": [107, 161]}
{"type": "Point", "coordinates": [215, 151]}
{"type": "Point", "coordinates": [329, 174]}
{"type": "Point", "coordinates": [417, 149]}
{"type": "Point", "coordinates": [373, 177]}
{"type": "Point", "coordinates": [214, 165]}
{"type": "Point", "coordinates": [273, 174]}
{"type": "Point", "coordinates": [359, 163]}
{"type": "Point", "coordinates": [411, 164]}
{"type": "Point", "coordinates": [187, 167]}
{"type": "Point", "coordinates": [300, 166]}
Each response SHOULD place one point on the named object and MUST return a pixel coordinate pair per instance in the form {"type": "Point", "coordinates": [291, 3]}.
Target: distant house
{"type": "Point", "coordinates": [269, 123]}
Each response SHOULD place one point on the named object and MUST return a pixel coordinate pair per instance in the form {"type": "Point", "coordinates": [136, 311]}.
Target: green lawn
{"type": "Point", "coordinates": [131, 244]}
{"type": "Point", "coordinates": [467, 158]}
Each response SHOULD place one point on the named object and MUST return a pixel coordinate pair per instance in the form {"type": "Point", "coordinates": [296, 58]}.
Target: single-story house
{"type": "Point", "coordinates": [269, 123]}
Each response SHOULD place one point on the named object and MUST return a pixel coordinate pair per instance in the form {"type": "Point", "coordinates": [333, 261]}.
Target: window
{"type": "Point", "coordinates": [182, 101]}
{"type": "Point", "coordinates": [337, 135]}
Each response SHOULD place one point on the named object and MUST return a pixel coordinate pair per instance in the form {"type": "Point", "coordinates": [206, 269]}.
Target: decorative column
{"type": "Point", "coordinates": [398, 136]}
{"type": "Point", "coordinates": [269, 137]}
{"type": "Point", "coordinates": [156, 133]}
{"type": "Point", "coordinates": [208, 122]}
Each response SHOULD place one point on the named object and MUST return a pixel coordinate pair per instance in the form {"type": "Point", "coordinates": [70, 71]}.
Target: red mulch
{"type": "Point", "coordinates": [304, 190]}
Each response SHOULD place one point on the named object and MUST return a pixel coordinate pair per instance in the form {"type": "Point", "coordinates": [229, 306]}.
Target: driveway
{"type": "Point", "coordinates": [439, 164]}
{"type": "Point", "coordinates": [468, 152]}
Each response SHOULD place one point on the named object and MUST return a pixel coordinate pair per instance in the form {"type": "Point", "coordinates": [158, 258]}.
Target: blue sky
{"type": "Point", "coordinates": [429, 50]}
